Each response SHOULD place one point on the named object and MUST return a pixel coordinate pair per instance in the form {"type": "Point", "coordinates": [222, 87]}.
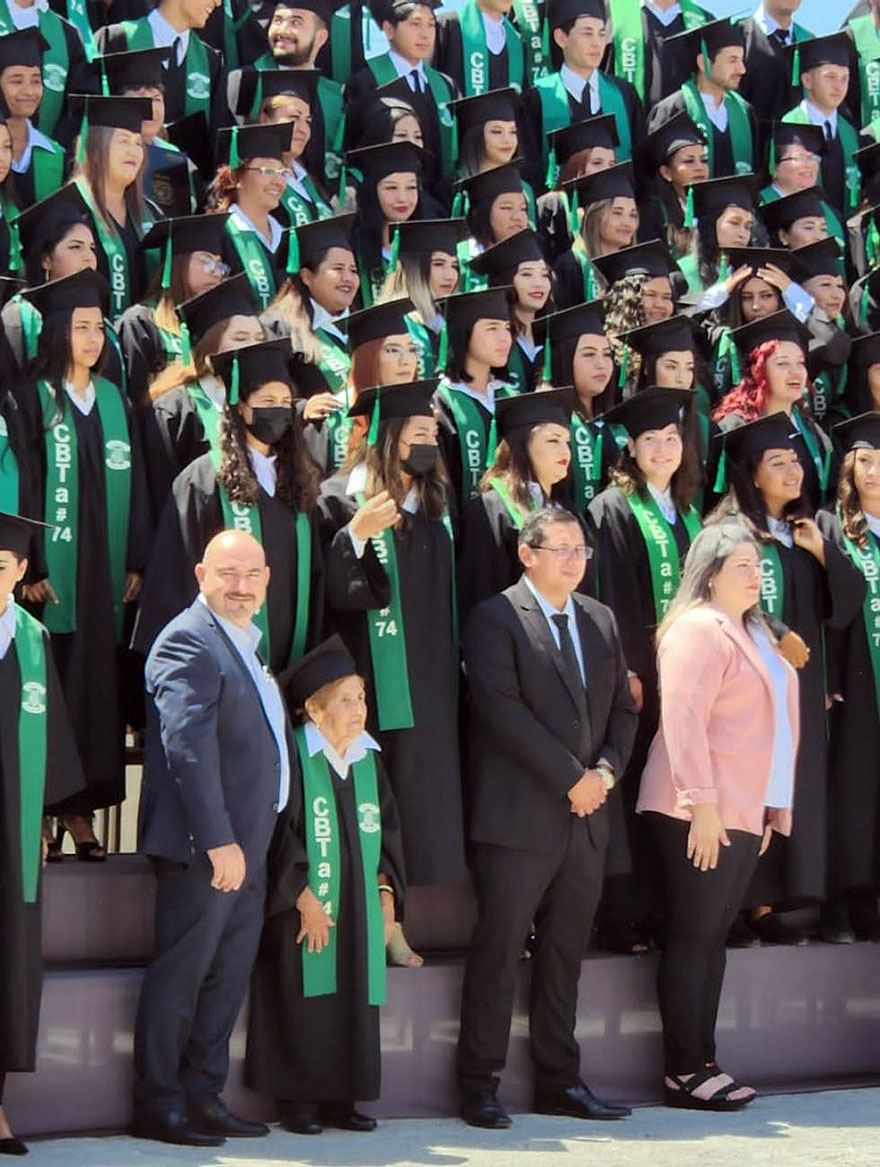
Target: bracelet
{"type": "Point", "coordinates": [386, 887]}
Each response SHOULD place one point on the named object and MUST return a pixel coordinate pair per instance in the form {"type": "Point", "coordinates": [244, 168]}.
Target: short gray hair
{"type": "Point", "coordinates": [534, 529]}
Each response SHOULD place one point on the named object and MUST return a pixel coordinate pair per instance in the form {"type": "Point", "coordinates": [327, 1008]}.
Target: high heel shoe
{"type": "Point", "coordinates": [12, 1146]}
{"type": "Point", "coordinates": [87, 850]}
{"type": "Point", "coordinates": [54, 854]}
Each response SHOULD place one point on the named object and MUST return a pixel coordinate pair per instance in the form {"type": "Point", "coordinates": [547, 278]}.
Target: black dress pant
{"type": "Point", "coordinates": [700, 908]}
{"type": "Point", "coordinates": [559, 891]}
{"type": "Point", "coordinates": [206, 943]}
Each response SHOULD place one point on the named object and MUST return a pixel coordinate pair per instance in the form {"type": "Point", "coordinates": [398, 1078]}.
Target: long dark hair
{"type": "Point", "coordinates": [458, 338]}
{"type": "Point", "coordinates": [513, 468]}
{"type": "Point", "coordinates": [370, 222]}
{"type": "Point", "coordinates": [562, 374]}
{"type": "Point", "coordinates": [744, 499]}
{"type": "Point", "coordinates": [684, 484]}
{"type": "Point", "coordinates": [53, 357]}
{"type": "Point", "coordinates": [45, 242]}
{"type": "Point", "coordinates": [852, 516]}
{"type": "Point", "coordinates": [382, 461]}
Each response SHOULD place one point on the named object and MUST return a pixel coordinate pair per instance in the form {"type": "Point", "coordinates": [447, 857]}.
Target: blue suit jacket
{"type": "Point", "coordinates": [211, 765]}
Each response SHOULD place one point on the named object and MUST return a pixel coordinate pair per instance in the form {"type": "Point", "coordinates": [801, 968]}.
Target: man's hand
{"type": "Point", "coordinates": [229, 867]}
{"type": "Point", "coordinates": [587, 794]}
{"type": "Point", "coordinates": [39, 593]}
{"type": "Point", "coordinates": [315, 924]}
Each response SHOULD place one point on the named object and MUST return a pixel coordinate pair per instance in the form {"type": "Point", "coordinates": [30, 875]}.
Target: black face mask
{"type": "Point", "coordinates": [270, 422]}
{"type": "Point", "coordinates": [421, 459]}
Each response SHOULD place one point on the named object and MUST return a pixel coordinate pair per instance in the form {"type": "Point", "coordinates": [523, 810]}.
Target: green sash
{"type": "Point", "coordinates": [48, 168]}
{"type": "Point", "coordinates": [382, 68]}
{"type": "Point", "coordinates": [772, 580]}
{"type": "Point", "coordinates": [516, 515]}
{"type": "Point", "coordinates": [62, 499]}
{"type": "Point", "coordinates": [30, 649]}
{"type": "Point", "coordinates": [10, 214]}
{"type": "Point", "coordinates": [9, 496]}
{"type": "Point", "coordinates": [586, 461]}
{"type": "Point", "coordinates": [516, 368]}
{"type": "Point", "coordinates": [527, 15]}
{"type": "Point", "coordinates": [556, 112]}
{"type": "Point", "coordinates": [241, 516]}
{"type": "Point", "coordinates": [78, 16]}
{"type": "Point", "coordinates": [477, 447]}
{"type": "Point", "coordinates": [821, 458]}
{"type": "Point", "coordinates": [303, 211]}
{"type": "Point", "coordinates": [340, 45]}
{"type": "Point", "coordinates": [422, 336]}
{"type": "Point", "coordinates": [339, 426]}
{"type": "Point", "coordinates": [738, 127]}
{"type": "Point", "coordinates": [56, 66]}
{"type": "Point", "coordinates": [114, 250]}
{"type": "Point", "coordinates": [629, 39]}
{"type": "Point", "coordinates": [867, 40]}
{"type": "Point", "coordinates": [849, 143]}
{"type": "Point", "coordinates": [476, 51]}
{"type": "Point", "coordinates": [322, 849]}
{"type": "Point", "coordinates": [867, 560]}
{"type": "Point", "coordinates": [334, 362]}
{"type": "Point", "coordinates": [689, 266]}
{"type": "Point", "coordinates": [664, 562]}
{"type": "Point", "coordinates": [207, 412]}
{"type": "Point", "coordinates": [588, 271]}
{"type": "Point", "coordinates": [254, 260]}
{"type": "Point", "coordinates": [139, 35]}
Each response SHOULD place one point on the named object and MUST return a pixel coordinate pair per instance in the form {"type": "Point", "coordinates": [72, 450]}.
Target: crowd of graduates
{"type": "Point", "coordinates": [372, 282]}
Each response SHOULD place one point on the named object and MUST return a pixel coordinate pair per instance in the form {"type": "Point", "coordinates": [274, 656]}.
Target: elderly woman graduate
{"type": "Point", "coordinates": [335, 886]}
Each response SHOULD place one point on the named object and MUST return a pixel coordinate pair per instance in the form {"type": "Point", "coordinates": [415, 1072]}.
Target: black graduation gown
{"type": "Point", "coordinates": [192, 516]}
{"type": "Point", "coordinates": [794, 870]}
{"type": "Point", "coordinates": [143, 351]}
{"type": "Point", "coordinates": [449, 56]}
{"type": "Point", "coordinates": [422, 762]}
{"type": "Point", "coordinates": [767, 83]}
{"type": "Point", "coordinates": [569, 277]}
{"type": "Point", "coordinates": [854, 779]}
{"type": "Point", "coordinates": [91, 666]}
{"type": "Point", "coordinates": [319, 1049]}
{"type": "Point", "coordinates": [722, 150]}
{"type": "Point", "coordinates": [812, 487]}
{"type": "Point", "coordinates": [173, 438]}
{"type": "Point", "coordinates": [5, 248]}
{"type": "Point", "coordinates": [21, 970]}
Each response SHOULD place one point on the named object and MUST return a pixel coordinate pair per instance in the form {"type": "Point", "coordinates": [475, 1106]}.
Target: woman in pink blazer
{"type": "Point", "coordinates": [718, 780]}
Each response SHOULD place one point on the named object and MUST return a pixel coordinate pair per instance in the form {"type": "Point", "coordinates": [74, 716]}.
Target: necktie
{"type": "Point", "coordinates": [828, 133]}
{"type": "Point", "coordinates": [178, 51]}
{"type": "Point", "coordinates": [778, 38]}
{"type": "Point", "coordinates": [415, 81]}
{"type": "Point", "coordinates": [566, 647]}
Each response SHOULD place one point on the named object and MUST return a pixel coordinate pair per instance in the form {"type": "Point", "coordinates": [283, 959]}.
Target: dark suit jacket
{"type": "Point", "coordinates": [533, 735]}
{"type": "Point", "coordinates": [211, 765]}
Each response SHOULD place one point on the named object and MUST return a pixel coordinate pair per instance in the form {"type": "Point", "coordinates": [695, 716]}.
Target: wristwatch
{"type": "Point", "coordinates": [607, 775]}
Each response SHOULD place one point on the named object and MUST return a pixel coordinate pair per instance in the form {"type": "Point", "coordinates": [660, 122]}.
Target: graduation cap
{"type": "Point", "coordinates": [16, 533]}
{"type": "Point", "coordinates": [865, 350]}
{"type": "Point", "coordinates": [140, 69]}
{"type": "Point", "coordinates": [313, 240]}
{"type": "Point", "coordinates": [581, 320]}
{"type": "Point", "coordinates": [652, 409]}
{"type": "Point", "coordinates": [83, 289]}
{"type": "Point", "coordinates": [256, 85]}
{"type": "Point", "coordinates": [822, 258]}
{"type": "Point", "coordinates": [393, 95]}
{"type": "Point", "coordinates": [491, 183]}
{"type": "Point", "coordinates": [561, 12]}
{"type": "Point", "coordinates": [190, 135]}
{"type": "Point", "coordinates": [330, 661]}
{"type": "Point", "coordinates": [713, 196]}
{"type": "Point", "coordinates": [394, 401]}
{"type": "Point", "coordinates": [379, 321]}
{"type": "Point", "coordinates": [710, 38]}
{"type": "Point", "coordinates": [774, 432]}
{"type": "Point", "coordinates": [567, 141]}
{"type": "Point", "coordinates": [836, 49]}
{"type": "Point", "coordinates": [188, 233]}
{"type": "Point", "coordinates": [171, 187]}
{"type": "Point", "coordinates": [22, 47]}
{"type": "Point", "coordinates": [113, 113]}
{"type": "Point", "coordinates": [63, 208]}
{"type": "Point", "coordinates": [680, 131]}
{"type": "Point", "coordinates": [496, 105]}
{"type": "Point", "coordinates": [676, 334]}
{"type": "Point", "coordinates": [321, 8]}
{"type": "Point", "coordinates": [858, 433]}
{"type": "Point", "coordinates": [377, 162]}
{"type": "Point", "coordinates": [255, 140]}
{"type": "Point", "coordinates": [778, 326]}
{"type": "Point", "coordinates": [781, 213]}
{"type": "Point", "coordinates": [810, 137]}
{"type": "Point", "coordinates": [757, 257]}
{"type": "Point", "coordinates": [523, 247]}
{"type": "Point", "coordinates": [431, 235]}
{"type": "Point", "coordinates": [650, 259]}
{"type": "Point", "coordinates": [549, 406]}
{"type": "Point", "coordinates": [232, 297]}
{"type": "Point", "coordinates": [247, 368]}
{"type": "Point", "coordinates": [614, 182]}
{"type": "Point", "coordinates": [466, 308]}
{"type": "Point", "coordinates": [385, 9]}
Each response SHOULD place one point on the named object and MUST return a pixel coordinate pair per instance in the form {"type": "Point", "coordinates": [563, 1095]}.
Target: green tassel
{"type": "Point", "coordinates": [872, 243]}
{"type": "Point", "coordinates": [166, 266]}
{"type": "Point", "coordinates": [492, 442]}
{"type": "Point", "coordinates": [234, 156]}
{"type": "Point", "coordinates": [704, 50]}
{"type": "Point", "coordinates": [735, 369]}
{"type": "Point", "coordinates": [771, 157]}
{"type": "Point", "coordinates": [185, 343]}
{"type": "Point", "coordinates": [796, 68]}
{"type": "Point", "coordinates": [443, 349]}
{"type": "Point", "coordinates": [624, 367]}
{"type": "Point", "coordinates": [105, 84]}
{"type": "Point", "coordinates": [293, 264]}
{"type": "Point", "coordinates": [552, 170]}
{"type": "Point", "coordinates": [83, 134]}
{"type": "Point", "coordinates": [395, 251]}
{"type": "Point", "coordinates": [721, 477]}
{"type": "Point", "coordinates": [234, 379]}
{"type": "Point", "coordinates": [16, 262]}
{"type": "Point", "coordinates": [545, 43]}
{"type": "Point", "coordinates": [547, 366]}
{"type": "Point", "coordinates": [863, 305]}
{"type": "Point", "coordinates": [574, 223]}
{"type": "Point", "coordinates": [373, 434]}
{"type": "Point", "coordinates": [589, 282]}
{"type": "Point", "coordinates": [689, 208]}
{"type": "Point", "coordinates": [723, 268]}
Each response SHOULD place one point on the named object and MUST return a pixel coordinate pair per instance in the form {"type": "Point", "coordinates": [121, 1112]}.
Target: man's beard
{"type": "Point", "coordinates": [300, 57]}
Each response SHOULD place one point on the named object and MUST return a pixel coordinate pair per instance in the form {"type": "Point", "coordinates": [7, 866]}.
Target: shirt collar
{"type": "Point", "coordinates": [34, 138]}
{"type": "Point", "coordinates": [164, 34]}
{"type": "Point", "coordinates": [666, 16]}
{"type": "Point", "coordinates": [818, 118]}
{"type": "Point", "coordinates": [663, 499]}
{"type": "Point", "coordinates": [321, 318]}
{"type": "Point", "coordinates": [576, 84]}
{"type": "Point", "coordinates": [316, 743]}
{"type": "Point", "coordinates": [83, 404]}
{"type": "Point", "coordinates": [780, 530]}
{"type": "Point", "coordinates": [403, 67]}
{"type": "Point", "coordinates": [265, 470]}
{"type": "Point", "coordinates": [274, 226]}
{"type": "Point", "coordinates": [873, 522]}
{"type": "Point", "coordinates": [767, 23]}
{"type": "Point", "coordinates": [487, 402]}
{"type": "Point", "coordinates": [244, 639]}
{"type": "Point", "coordinates": [26, 17]}
{"type": "Point", "coordinates": [550, 610]}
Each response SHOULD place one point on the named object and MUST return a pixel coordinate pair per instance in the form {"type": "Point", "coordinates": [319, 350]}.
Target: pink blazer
{"type": "Point", "coordinates": [715, 740]}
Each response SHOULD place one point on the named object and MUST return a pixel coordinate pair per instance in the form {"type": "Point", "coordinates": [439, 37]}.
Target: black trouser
{"type": "Point", "coordinates": [206, 943]}
{"type": "Point", "coordinates": [700, 908]}
{"type": "Point", "coordinates": [559, 892]}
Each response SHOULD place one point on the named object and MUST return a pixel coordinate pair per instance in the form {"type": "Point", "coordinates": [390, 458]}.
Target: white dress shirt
{"type": "Point", "coordinates": [26, 17]}
{"type": "Point", "coordinates": [263, 466]}
{"type": "Point", "coordinates": [663, 499]}
{"type": "Point", "coordinates": [568, 611]}
{"type": "Point", "coordinates": [575, 84]}
{"type": "Point", "coordinates": [85, 403]}
{"type": "Point", "coordinates": [316, 743]}
{"type": "Point", "coordinates": [873, 522]}
{"type": "Point", "coordinates": [717, 113]}
{"type": "Point", "coordinates": [164, 34]}
{"type": "Point", "coordinates": [275, 230]}
{"type": "Point", "coordinates": [780, 530]}
{"type": "Point", "coordinates": [405, 69]}
{"type": "Point", "coordinates": [321, 318]}
{"type": "Point", "coordinates": [818, 118]}
{"type": "Point", "coordinates": [780, 784]}
{"type": "Point", "coordinates": [496, 38]}
{"type": "Point", "coordinates": [34, 138]}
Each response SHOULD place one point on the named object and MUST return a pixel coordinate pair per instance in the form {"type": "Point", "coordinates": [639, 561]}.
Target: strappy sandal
{"type": "Point", "coordinates": [716, 1069]}
{"type": "Point", "coordinates": [678, 1092]}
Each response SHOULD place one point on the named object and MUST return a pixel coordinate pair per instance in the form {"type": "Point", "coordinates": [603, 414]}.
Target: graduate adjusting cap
{"type": "Point", "coordinates": [531, 409]}
{"type": "Point", "coordinates": [780, 214]}
{"type": "Point", "coordinates": [778, 326]}
{"type": "Point", "coordinates": [567, 141]}
{"type": "Point", "coordinates": [431, 235]}
{"type": "Point", "coordinates": [496, 105]}
{"type": "Point", "coordinates": [652, 409]}
{"type": "Point", "coordinates": [758, 257]}
{"type": "Point", "coordinates": [16, 533]}
{"type": "Point", "coordinates": [188, 233]}
{"type": "Point", "coordinates": [469, 307]}
{"type": "Point", "coordinates": [822, 258]}
{"type": "Point", "coordinates": [503, 257]}
{"type": "Point", "coordinates": [581, 320]}
{"type": "Point", "coordinates": [865, 350]}
{"type": "Point", "coordinates": [645, 259]}
{"type": "Point", "coordinates": [83, 289]}
{"type": "Point", "coordinates": [677, 334]}
{"type": "Point", "coordinates": [232, 297]}
{"type": "Point", "coordinates": [560, 12]}
{"type": "Point", "coordinates": [330, 661]}
{"type": "Point", "coordinates": [113, 113]}
{"type": "Point", "coordinates": [836, 49]}
{"type": "Point", "coordinates": [254, 141]}
{"type": "Point", "coordinates": [809, 137]}
{"type": "Point", "coordinates": [315, 239]}
{"type": "Point", "coordinates": [24, 47]}
{"type": "Point", "coordinates": [63, 208]}
{"type": "Point", "coordinates": [376, 162]}
{"type": "Point", "coordinates": [412, 400]}
{"type": "Point", "coordinates": [714, 36]}
{"type": "Point", "coordinates": [254, 365]}
{"type": "Point", "coordinates": [774, 432]}
{"type": "Point", "coordinates": [492, 183]}
{"type": "Point", "coordinates": [713, 196]}
{"type": "Point", "coordinates": [678, 132]}
{"type": "Point", "coordinates": [386, 319]}
{"type": "Point", "coordinates": [256, 85]}
{"type": "Point", "coordinates": [858, 433]}
{"type": "Point", "coordinates": [140, 69]}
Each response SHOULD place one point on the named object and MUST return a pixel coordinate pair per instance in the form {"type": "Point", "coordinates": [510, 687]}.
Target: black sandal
{"type": "Point", "coordinates": [681, 1095]}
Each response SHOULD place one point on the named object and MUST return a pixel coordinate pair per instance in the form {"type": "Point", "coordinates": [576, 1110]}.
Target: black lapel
{"type": "Point", "coordinates": [212, 622]}
{"type": "Point", "coordinates": [538, 630]}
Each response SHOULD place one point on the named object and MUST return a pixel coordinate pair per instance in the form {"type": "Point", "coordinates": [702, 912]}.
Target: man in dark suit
{"type": "Point", "coordinates": [217, 769]}
{"type": "Point", "coordinates": [553, 723]}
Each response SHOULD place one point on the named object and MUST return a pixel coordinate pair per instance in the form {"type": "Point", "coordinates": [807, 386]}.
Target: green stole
{"type": "Point", "coordinates": [867, 41]}
{"type": "Point", "coordinates": [516, 368]}
{"type": "Point", "coordinates": [586, 461]}
{"type": "Point", "coordinates": [832, 220]}
{"type": "Point", "coordinates": [334, 362]}
{"type": "Point", "coordinates": [477, 447]}
{"type": "Point", "coordinates": [9, 482]}
{"type": "Point", "coordinates": [77, 15]}
{"type": "Point", "coordinates": [588, 270]}
{"type": "Point", "coordinates": [56, 66]}
{"type": "Point", "coordinates": [556, 112]}
{"type": "Point", "coordinates": [242, 516]}
{"type": "Point", "coordinates": [339, 426]}
{"type": "Point", "coordinates": [340, 45]}
{"type": "Point", "coordinates": [738, 127]}
{"type": "Point", "coordinates": [629, 38]}
{"type": "Point", "coordinates": [114, 249]}
{"type": "Point", "coordinates": [48, 170]}
{"type": "Point", "coordinates": [33, 744]}
{"type": "Point", "coordinates": [476, 52]}
{"type": "Point", "coordinates": [821, 458]}
{"type": "Point", "coordinates": [10, 214]}
{"type": "Point", "coordinates": [664, 562]}
{"type": "Point", "coordinates": [197, 99]}
{"type": "Point", "coordinates": [527, 15]}
{"type": "Point", "coordinates": [421, 334]}
{"type": "Point", "coordinates": [62, 499]}
{"type": "Point", "coordinates": [772, 580]}
{"type": "Point", "coordinates": [867, 560]}
{"type": "Point", "coordinates": [207, 412]}
{"type": "Point", "coordinates": [382, 68]}
{"type": "Point", "coordinates": [322, 849]}
{"type": "Point", "coordinates": [303, 211]}
{"type": "Point", "coordinates": [849, 143]}
{"type": "Point", "coordinates": [254, 260]}
{"type": "Point", "coordinates": [516, 515]}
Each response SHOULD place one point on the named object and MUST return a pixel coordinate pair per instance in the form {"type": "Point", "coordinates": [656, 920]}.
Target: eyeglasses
{"type": "Point", "coordinates": [396, 351]}
{"type": "Point", "coordinates": [801, 159]}
{"type": "Point", "coordinates": [213, 267]}
{"type": "Point", "coordinates": [579, 552]}
{"type": "Point", "coordinates": [271, 171]}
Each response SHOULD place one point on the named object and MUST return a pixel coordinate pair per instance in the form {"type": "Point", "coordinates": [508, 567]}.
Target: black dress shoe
{"type": "Point", "coordinates": [579, 1102]}
{"type": "Point", "coordinates": [214, 1119]}
{"type": "Point", "coordinates": [173, 1126]}
{"type": "Point", "coordinates": [346, 1118]}
{"type": "Point", "coordinates": [300, 1118]}
{"type": "Point", "coordinates": [484, 1110]}
{"type": "Point", "coordinates": [12, 1146]}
